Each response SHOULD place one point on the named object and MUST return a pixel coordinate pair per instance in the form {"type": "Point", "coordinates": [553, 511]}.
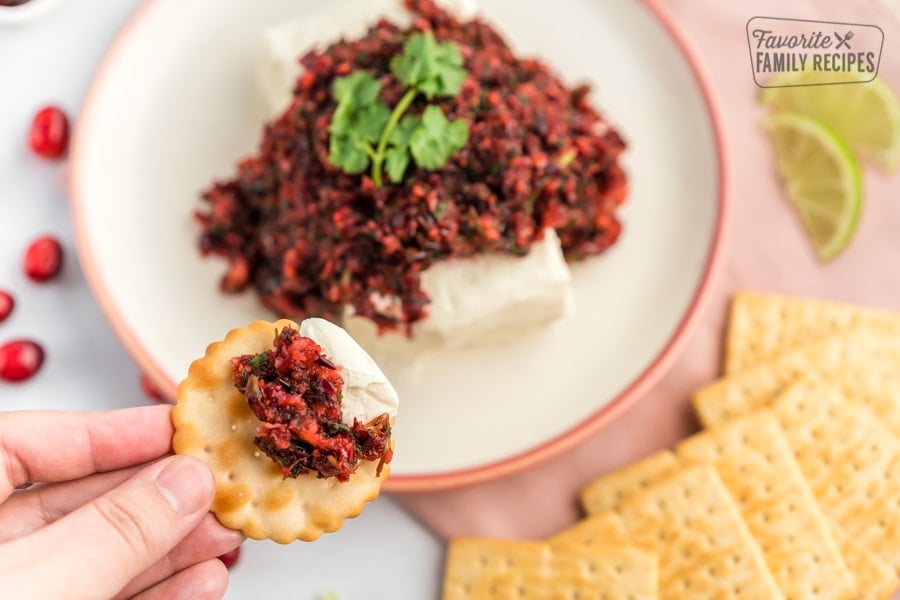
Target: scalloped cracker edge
{"type": "Point", "coordinates": [213, 422]}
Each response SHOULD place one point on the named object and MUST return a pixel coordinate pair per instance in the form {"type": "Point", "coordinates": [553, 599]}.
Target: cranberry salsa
{"type": "Point", "coordinates": [296, 391]}
{"type": "Point", "coordinates": [308, 225]}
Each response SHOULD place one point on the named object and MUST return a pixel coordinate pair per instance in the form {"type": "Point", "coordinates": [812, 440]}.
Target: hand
{"type": "Point", "coordinates": [110, 518]}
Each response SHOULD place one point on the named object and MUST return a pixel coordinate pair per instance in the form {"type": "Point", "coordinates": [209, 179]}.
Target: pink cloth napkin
{"type": "Point", "coordinates": [766, 249]}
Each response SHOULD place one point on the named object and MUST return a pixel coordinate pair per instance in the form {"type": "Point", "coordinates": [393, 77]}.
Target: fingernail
{"type": "Point", "coordinates": [186, 484]}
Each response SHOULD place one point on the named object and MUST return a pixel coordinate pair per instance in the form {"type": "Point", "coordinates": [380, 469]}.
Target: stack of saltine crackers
{"type": "Point", "coordinates": [792, 491]}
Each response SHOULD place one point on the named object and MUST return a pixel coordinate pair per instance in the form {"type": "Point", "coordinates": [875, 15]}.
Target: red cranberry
{"type": "Point", "coordinates": [231, 557]}
{"type": "Point", "coordinates": [43, 258]}
{"type": "Point", "coordinates": [20, 360]}
{"type": "Point", "coordinates": [7, 304]}
{"type": "Point", "coordinates": [49, 135]}
{"type": "Point", "coordinates": [150, 388]}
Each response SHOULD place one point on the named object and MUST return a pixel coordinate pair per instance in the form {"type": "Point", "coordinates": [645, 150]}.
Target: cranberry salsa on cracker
{"type": "Point", "coordinates": [405, 159]}
{"type": "Point", "coordinates": [295, 390]}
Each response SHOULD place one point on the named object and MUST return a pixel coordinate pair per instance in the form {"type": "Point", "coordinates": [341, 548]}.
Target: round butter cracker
{"type": "Point", "coordinates": [214, 423]}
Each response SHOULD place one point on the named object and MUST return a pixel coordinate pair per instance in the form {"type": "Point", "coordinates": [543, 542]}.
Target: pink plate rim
{"type": "Point", "coordinates": [494, 470]}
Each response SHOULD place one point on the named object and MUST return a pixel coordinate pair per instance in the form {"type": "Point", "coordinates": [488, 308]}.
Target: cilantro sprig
{"type": "Point", "coordinates": [365, 132]}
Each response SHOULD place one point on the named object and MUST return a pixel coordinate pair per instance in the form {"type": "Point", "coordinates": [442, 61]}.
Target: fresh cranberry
{"type": "Point", "coordinates": [150, 388]}
{"type": "Point", "coordinates": [20, 360]}
{"type": "Point", "coordinates": [49, 135]}
{"type": "Point", "coordinates": [7, 304]}
{"type": "Point", "coordinates": [43, 258]}
{"type": "Point", "coordinates": [231, 557]}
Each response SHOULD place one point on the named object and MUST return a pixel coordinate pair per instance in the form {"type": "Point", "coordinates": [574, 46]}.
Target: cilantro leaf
{"type": "Point", "coordinates": [365, 131]}
{"type": "Point", "coordinates": [357, 121]}
{"type": "Point", "coordinates": [370, 121]}
{"type": "Point", "coordinates": [397, 155]}
{"type": "Point", "coordinates": [356, 89]}
{"type": "Point", "coordinates": [434, 68]}
{"type": "Point", "coordinates": [403, 132]}
{"type": "Point", "coordinates": [396, 159]}
{"type": "Point", "coordinates": [348, 153]}
{"type": "Point", "coordinates": [437, 138]}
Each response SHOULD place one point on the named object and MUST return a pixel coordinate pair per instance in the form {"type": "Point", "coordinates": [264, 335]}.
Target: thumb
{"type": "Point", "coordinates": [96, 550]}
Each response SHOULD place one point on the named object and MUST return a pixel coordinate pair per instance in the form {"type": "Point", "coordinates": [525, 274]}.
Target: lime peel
{"type": "Point", "coordinates": [823, 179]}
{"type": "Point", "coordinates": [866, 113]}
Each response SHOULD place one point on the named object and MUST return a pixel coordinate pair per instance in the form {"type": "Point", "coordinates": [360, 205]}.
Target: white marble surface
{"type": "Point", "coordinates": [383, 554]}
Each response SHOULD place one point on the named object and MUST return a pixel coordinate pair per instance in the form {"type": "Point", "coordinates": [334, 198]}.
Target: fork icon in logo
{"type": "Point", "coordinates": [843, 41]}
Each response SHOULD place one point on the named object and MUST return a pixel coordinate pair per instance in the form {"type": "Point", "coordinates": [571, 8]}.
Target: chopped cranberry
{"type": "Point", "coordinates": [43, 258]}
{"type": "Point", "coordinates": [150, 388]}
{"type": "Point", "coordinates": [231, 557]}
{"type": "Point", "coordinates": [49, 135]}
{"type": "Point", "coordinates": [20, 360]}
{"type": "Point", "coordinates": [6, 305]}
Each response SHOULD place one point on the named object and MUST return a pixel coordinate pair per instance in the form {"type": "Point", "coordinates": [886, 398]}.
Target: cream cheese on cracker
{"type": "Point", "coordinates": [367, 391]}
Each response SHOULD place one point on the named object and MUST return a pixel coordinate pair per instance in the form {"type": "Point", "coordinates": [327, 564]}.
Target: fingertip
{"type": "Point", "coordinates": [224, 535]}
{"type": "Point", "coordinates": [211, 579]}
{"type": "Point", "coordinates": [204, 581]}
{"type": "Point", "coordinates": [187, 484]}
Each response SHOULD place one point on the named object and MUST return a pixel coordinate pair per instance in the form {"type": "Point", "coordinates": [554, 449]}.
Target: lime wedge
{"type": "Point", "coordinates": [823, 179]}
{"type": "Point", "coordinates": [865, 113]}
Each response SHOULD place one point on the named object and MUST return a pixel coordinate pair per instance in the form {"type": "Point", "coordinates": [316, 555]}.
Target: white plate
{"type": "Point", "coordinates": [175, 104]}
